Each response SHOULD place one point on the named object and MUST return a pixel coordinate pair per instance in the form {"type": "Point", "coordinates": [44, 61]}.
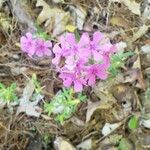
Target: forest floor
{"type": "Point", "coordinates": [38, 113]}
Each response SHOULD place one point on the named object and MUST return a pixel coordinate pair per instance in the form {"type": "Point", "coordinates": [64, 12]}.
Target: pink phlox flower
{"type": "Point", "coordinates": [58, 54]}
{"type": "Point", "coordinates": [76, 65]}
{"type": "Point", "coordinates": [78, 49]}
{"type": "Point", "coordinates": [42, 47]}
{"type": "Point", "coordinates": [108, 48]}
{"type": "Point", "coordinates": [94, 45]}
{"type": "Point", "coordinates": [60, 50]}
{"type": "Point", "coordinates": [28, 44]}
{"type": "Point", "coordinates": [96, 71]}
{"type": "Point", "coordinates": [73, 79]}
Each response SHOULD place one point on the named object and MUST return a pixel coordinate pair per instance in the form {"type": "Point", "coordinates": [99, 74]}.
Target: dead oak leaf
{"type": "Point", "coordinates": [55, 19]}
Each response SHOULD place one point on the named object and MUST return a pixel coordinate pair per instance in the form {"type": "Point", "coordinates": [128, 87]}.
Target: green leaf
{"type": "Point", "coordinates": [41, 34]}
{"type": "Point", "coordinates": [7, 94]}
{"type": "Point", "coordinates": [124, 144]}
{"type": "Point", "coordinates": [133, 123]}
{"type": "Point", "coordinates": [63, 104]}
{"type": "Point", "coordinates": [118, 61]}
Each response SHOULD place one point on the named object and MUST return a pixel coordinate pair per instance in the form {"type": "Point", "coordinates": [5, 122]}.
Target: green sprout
{"type": "Point", "coordinates": [41, 34]}
{"type": "Point", "coordinates": [7, 94]}
{"type": "Point", "coordinates": [117, 61]}
{"type": "Point", "coordinates": [64, 104]}
{"type": "Point", "coordinates": [36, 83]}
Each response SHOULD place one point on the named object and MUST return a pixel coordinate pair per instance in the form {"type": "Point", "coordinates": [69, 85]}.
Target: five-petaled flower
{"type": "Point", "coordinates": [35, 46]}
{"type": "Point", "coordinates": [28, 44]}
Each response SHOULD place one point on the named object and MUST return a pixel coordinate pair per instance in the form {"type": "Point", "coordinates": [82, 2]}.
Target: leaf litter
{"type": "Point", "coordinates": [115, 114]}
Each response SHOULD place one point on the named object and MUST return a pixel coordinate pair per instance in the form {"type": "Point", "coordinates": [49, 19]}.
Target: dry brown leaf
{"type": "Point", "coordinates": [119, 21]}
{"type": "Point", "coordinates": [86, 145]}
{"type": "Point", "coordinates": [55, 19]}
{"type": "Point", "coordinates": [61, 144]}
{"type": "Point", "coordinates": [137, 64]}
{"type": "Point", "coordinates": [5, 22]}
{"type": "Point", "coordinates": [133, 6]}
{"type": "Point", "coordinates": [23, 12]}
{"type": "Point", "coordinates": [142, 30]}
{"type": "Point", "coordinates": [133, 75]}
{"type": "Point", "coordinates": [79, 16]}
{"type": "Point", "coordinates": [1, 2]}
{"type": "Point", "coordinates": [2, 39]}
{"type": "Point", "coordinates": [3, 130]}
{"type": "Point", "coordinates": [92, 107]}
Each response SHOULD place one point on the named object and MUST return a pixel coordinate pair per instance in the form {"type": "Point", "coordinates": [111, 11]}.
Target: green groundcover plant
{"type": "Point", "coordinates": [64, 104]}
{"type": "Point", "coordinates": [7, 94]}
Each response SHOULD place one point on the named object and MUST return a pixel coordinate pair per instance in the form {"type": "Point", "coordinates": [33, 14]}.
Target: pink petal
{"type": "Point", "coordinates": [84, 40]}
{"type": "Point", "coordinates": [67, 82]}
{"type": "Point", "coordinates": [29, 35]}
{"type": "Point", "coordinates": [39, 53]}
{"type": "Point", "coordinates": [102, 73]}
{"type": "Point", "coordinates": [57, 49]}
{"type": "Point", "coordinates": [97, 56]}
{"type": "Point", "coordinates": [23, 39]}
{"type": "Point", "coordinates": [84, 53]}
{"type": "Point", "coordinates": [48, 52]}
{"type": "Point", "coordinates": [48, 44]}
{"type": "Point", "coordinates": [56, 60]}
{"type": "Point", "coordinates": [78, 86]}
{"type": "Point", "coordinates": [70, 38]}
{"type": "Point", "coordinates": [97, 37]}
{"type": "Point", "coordinates": [31, 51]}
{"type": "Point", "coordinates": [91, 80]}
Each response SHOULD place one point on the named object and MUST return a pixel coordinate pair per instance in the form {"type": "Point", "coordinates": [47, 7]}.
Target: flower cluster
{"type": "Point", "coordinates": [79, 63]}
{"type": "Point", "coordinates": [85, 61]}
{"type": "Point", "coordinates": [34, 46]}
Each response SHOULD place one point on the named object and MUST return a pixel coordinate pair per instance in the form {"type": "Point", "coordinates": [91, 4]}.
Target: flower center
{"type": "Point", "coordinates": [92, 46]}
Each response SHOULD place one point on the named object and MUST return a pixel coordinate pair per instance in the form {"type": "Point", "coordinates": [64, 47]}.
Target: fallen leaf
{"type": "Point", "coordinates": [142, 30]}
{"type": "Point", "coordinates": [3, 130]}
{"type": "Point", "coordinates": [23, 13]}
{"type": "Point", "coordinates": [54, 17]}
{"type": "Point", "coordinates": [30, 108]}
{"type": "Point", "coordinates": [80, 16]}
{"type": "Point", "coordinates": [133, 6]}
{"type": "Point", "coordinates": [133, 122]}
{"type": "Point", "coordinates": [77, 121]}
{"type": "Point", "coordinates": [70, 28]}
{"type": "Point", "coordinates": [86, 145]}
{"type": "Point", "coordinates": [145, 123]}
{"type": "Point", "coordinates": [119, 21]}
{"type": "Point", "coordinates": [109, 128]}
{"type": "Point", "coordinates": [123, 93]}
{"type": "Point", "coordinates": [1, 3]}
{"type": "Point", "coordinates": [92, 107]}
{"type": "Point", "coordinates": [58, 1]}
{"type": "Point", "coordinates": [146, 49]}
{"type": "Point", "coordinates": [125, 144]}
{"type": "Point", "coordinates": [5, 22]}
{"type": "Point", "coordinates": [110, 142]}
{"type": "Point", "coordinates": [61, 144]}
{"type": "Point", "coordinates": [121, 46]}
{"type": "Point", "coordinates": [145, 9]}
{"type": "Point", "coordinates": [2, 39]}
{"type": "Point", "coordinates": [132, 75]}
